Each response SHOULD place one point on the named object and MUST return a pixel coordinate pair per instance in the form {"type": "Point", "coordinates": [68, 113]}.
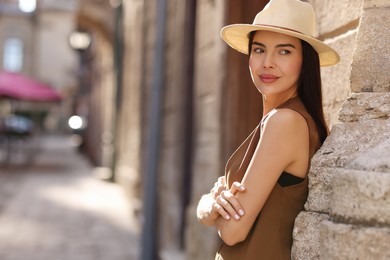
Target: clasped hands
{"type": "Point", "coordinates": [225, 202]}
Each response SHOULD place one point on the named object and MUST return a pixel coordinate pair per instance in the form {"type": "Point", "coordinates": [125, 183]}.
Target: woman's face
{"type": "Point", "coordinates": [275, 63]}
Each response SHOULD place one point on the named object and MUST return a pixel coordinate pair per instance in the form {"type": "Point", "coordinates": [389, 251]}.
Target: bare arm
{"type": "Point", "coordinates": [213, 206]}
{"type": "Point", "coordinates": [283, 146]}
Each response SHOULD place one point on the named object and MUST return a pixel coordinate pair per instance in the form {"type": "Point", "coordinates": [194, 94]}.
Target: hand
{"type": "Point", "coordinates": [227, 204]}
{"type": "Point", "coordinates": [219, 186]}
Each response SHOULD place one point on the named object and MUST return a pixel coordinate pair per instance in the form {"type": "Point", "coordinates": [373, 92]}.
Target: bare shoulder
{"type": "Point", "coordinates": [285, 119]}
{"type": "Point", "coordinates": [286, 133]}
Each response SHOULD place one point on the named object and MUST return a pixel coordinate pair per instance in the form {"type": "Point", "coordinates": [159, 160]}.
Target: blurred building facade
{"type": "Point", "coordinates": [96, 98]}
{"type": "Point", "coordinates": [34, 43]}
{"type": "Point", "coordinates": [208, 106]}
{"type": "Point", "coordinates": [167, 102]}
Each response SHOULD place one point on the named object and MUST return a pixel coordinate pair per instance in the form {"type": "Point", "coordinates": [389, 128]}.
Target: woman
{"type": "Point", "coordinates": [253, 207]}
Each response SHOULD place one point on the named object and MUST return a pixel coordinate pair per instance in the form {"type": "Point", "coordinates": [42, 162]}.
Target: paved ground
{"type": "Point", "coordinates": [55, 209]}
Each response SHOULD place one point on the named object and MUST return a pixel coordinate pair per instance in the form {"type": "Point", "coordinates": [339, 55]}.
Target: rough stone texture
{"type": "Point", "coordinates": [342, 13]}
{"type": "Point", "coordinates": [350, 175]}
{"type": "Point", "coordinates": [361, 197]}
{"type": "Point", "coordinates": [340, 151]}
{"type": "Point", "coordinates": [341, 241]}
{"type": "Point", "coordinates": [376, 3]}
{"type": "Point", "coordinates": [365, 106]}
{"type": "Point", "coordinates": [349, 141]}
{"type": "Point", "coordinates": [307, 235]}
{"type": "Point", "coordinates": [320, 188]}
{"type": "Point", "coordinates": [375, 159]}
{"type": "Point", "coordinates": [341, 36]}
{"type": "Point", "coordinates": [335, 79]}
{"type": "Point", "coordinates": [372, 57]}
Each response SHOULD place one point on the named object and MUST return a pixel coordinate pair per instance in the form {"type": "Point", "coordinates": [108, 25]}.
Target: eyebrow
{"type": "Point", "coordinates": [283, 45]}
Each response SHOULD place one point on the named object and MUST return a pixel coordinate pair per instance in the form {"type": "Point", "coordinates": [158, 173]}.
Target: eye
{"type": "Point", "coordinates": [285, 52]}
{"type": "Point", "coordinates": [257, 50]}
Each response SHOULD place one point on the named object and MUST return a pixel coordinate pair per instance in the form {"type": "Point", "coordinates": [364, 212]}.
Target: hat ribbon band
{"type": "Point", "coordinates": [284, 28]}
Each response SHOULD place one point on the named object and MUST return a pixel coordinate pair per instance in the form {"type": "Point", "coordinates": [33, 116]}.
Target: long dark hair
{"type": "Point", "coordinates": [310, 87]}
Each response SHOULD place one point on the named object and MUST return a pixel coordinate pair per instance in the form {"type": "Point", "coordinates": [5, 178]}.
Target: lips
{"type": "Point", "coordinates": [268, 78]}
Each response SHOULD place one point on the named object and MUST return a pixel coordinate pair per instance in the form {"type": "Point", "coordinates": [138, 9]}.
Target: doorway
{"type": "Point", "coordinates": [242, 103]}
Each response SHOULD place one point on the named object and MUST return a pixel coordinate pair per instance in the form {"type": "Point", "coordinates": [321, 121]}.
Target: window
{"type": "Point", "coordinates": [13, 55]}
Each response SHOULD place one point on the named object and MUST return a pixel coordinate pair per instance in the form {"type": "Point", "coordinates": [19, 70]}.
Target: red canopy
{"type": "Point", "coordinates": [17, 86]}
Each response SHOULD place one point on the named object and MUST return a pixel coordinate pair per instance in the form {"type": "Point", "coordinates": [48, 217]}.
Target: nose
{"type": "Point", "coordinates": [268, 61]}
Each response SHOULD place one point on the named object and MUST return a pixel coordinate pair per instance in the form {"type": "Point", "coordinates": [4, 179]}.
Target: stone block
{"type": "Point", "coordinates": [365, 106]}
{"type": "Point", "coordinates": [342, 241]}
{"type": "Point", "coordinates": [375, 3]}
{"type": "Point", "coordinates": [335, 79]}
{"type": "Point", "coordinates": [361, 197]}
{"type": "Point", "coordinates": [374, 159]}
{"type": "Point", "coordinates": [333, 14]}
{"type": "Point", "coordinates": [349, 141]}
{"type": "Point", "coordinates": [320, 188]}
{"type": "Point", "coordinates": [306, 235]}
{"type": "Point", "coordinates": [361, 146]}
{"type": "Point", "coordinates": [372, 56]}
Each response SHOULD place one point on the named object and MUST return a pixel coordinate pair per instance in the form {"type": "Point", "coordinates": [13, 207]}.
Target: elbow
{"type": "Point", "coordinates": [232, 238]}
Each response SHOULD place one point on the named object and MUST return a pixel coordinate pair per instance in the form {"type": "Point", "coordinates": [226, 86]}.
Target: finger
{"type": "Point", "coordinates": [228, 207]}
{"type": "Point", "coordinates": [221, 211]}
{"type": "Point", "coordinates": [237, 186]}
{"type": "Point", "coordinates": [216, 190]}
{"type": "Point", "coordinates": [234, 202]}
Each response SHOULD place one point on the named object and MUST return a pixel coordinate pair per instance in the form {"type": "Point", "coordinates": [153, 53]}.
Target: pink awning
{"type": "Point", "coordinates": [17, 86]}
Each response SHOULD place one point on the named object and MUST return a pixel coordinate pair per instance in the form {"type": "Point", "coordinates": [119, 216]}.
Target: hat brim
{"type": "Point", "coordinates": [237, 37]}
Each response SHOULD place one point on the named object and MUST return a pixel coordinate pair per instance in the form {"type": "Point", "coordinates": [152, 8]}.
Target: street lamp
{"type": "Point", "coordinates": [80, 40]}
{"type": "Point", "coordinates": [27, 6]}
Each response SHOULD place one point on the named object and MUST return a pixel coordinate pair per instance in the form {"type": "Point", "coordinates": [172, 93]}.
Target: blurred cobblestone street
{"type": "Point", "coordinates": [55, 209]}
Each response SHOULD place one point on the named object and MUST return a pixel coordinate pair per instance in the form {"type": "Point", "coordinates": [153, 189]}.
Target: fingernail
{"type": "Point", "coordinates": [227, 217]}
{"type": "Point", "coordinates": [242, 188]}
{"type": "Point", "coordinates": [241, 212]}
{"type": "Point", "coordinates": [236, 217]}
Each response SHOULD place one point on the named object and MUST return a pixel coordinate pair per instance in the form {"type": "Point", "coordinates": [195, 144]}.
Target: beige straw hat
{"type": "Point", "coordinates": [290, 17]}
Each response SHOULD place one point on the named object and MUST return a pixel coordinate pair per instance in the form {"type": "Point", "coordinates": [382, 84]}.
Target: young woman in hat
{"type": "Point", "coordinates": [265, 186]}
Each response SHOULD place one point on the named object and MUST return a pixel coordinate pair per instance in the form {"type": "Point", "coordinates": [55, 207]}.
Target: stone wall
{"type": "Point", "coordinates": [209, 77]}
{"type": "Point", "coordinates": [174, 134]}
{"type": "Point", "coordinates": [140, 59]}
{"type": "Point", "coordinates": [337, 26]}
{"type": "Point", "coordinates": [347, 213]}
{"type": "Point", "coordinates": [129, 131]}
